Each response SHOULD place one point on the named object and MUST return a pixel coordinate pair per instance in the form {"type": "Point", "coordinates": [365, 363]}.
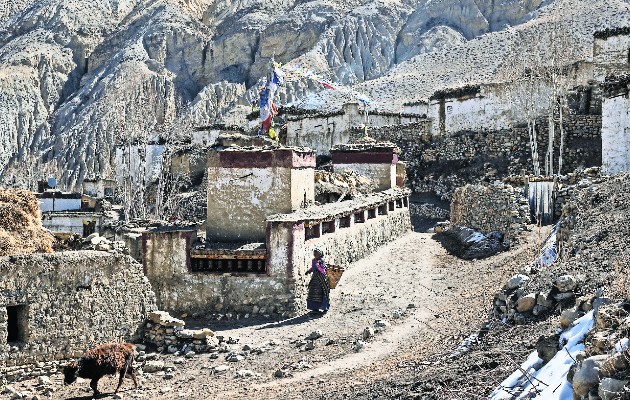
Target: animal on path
{"type": "Point", "coordinates": [105, 359]}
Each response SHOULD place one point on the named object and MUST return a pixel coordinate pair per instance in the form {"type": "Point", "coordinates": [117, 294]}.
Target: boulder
{"type": "Point", "coordinates": [568, 317]}
{"type": "Point", "coordinates": [610, 389]}
{"type": "Point", "coordinates": [587, 375]}
{"type": "Point", "coordinates": [545, 299]}
{"type": "Point", "coordinates": [526, 303]}
{"type": "Point", "coordinates": [615, 363]}
{"type": "Point", "coordinates": [164, 319]}
{"type": "Point", "coordinates": [565, 283]}
{"type": "Point", "coordinates": [547, 347]}
{"type": "Point", "coordinates": [516, 281]}
{"type": "Point", "coordinates": [153, 366]}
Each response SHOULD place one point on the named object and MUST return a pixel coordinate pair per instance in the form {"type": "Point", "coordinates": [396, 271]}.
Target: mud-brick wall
{"type": "Point", "coordinates": [497, 207]}
{"type": "Point", "coordinates": [439, 164]}
{"type": "Point", "coordinates": [180, 290]}
{"type": "Point", "coordinates": [66, 302]}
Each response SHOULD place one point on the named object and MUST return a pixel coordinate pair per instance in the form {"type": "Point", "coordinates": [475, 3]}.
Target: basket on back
{"type": "Point", "coordinates": [334, 273]}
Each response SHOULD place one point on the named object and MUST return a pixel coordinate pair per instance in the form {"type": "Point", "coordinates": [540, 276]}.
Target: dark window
{"type": "Point", "coordinates": [89, 227]}
{"type": "Point", "coordinates": [405, 202]}
{"type": "Point", "coordinates": [344, 222]}
{"type": "Point", "coordinates": [17, 323]}
{"type": "Point", "coordinates": [359, 217]}
{"type": "Point", "coordinates": [382, 210]}
{"type": "Point", "coordinates": [312, 232]}
{"type": "Point", "coordinates": [399, 203]}
{"type": "Point", "coordinates": [372, 213]}
{"type": "Point", "coordinates": [391, 206]}
{"type": "Point", "coordinates": [328, 227]}
{"type": "Point", "coordinates": [230, 265]}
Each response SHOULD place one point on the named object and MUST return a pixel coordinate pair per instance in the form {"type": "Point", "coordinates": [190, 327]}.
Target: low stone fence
{"type": "Point", "coordinates": [497, 207]}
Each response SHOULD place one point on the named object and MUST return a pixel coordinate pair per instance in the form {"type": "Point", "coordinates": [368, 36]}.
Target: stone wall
{"type": "Point", "coordinates": [498, 207]}
{"type": "Point", "coordinates": [55, 306]}
{"type": "Point", "coordinates": [337, 230]}
{"type": "Point", "coordinates": [439, 164]}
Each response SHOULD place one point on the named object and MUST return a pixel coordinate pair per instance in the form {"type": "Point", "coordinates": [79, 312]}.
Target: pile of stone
{"type": "Point", "coordinates": [169, 335]}
{"type": "Point", "coordinates": [515, 303]}
{"type": "Point", "coordinates": [602, 370]}
{"type": "Point", "coordinates": [497, 207]}
{"type": "Point", "coordinates": [91, 242]}
{"type": "Point", "coordinates": [22, 372]}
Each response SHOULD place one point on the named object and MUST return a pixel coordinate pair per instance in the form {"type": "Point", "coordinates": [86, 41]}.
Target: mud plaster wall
{"type": "Point", "coordinates": [71, 301]}
{"type": "Point", "coordinates": [179, 290]}
{"type": "Point", "coordinates": [497, 207]}
{"type": "Point", "coordinates": [440, 164]}
{"type": "Point", "coordinates": [240, 199]}
{"type": "Point", "coordinates": [616, 134]}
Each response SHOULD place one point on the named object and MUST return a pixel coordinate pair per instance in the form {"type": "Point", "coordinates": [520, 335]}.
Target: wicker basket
{"type": "Point", "coordinates": [334, 273]}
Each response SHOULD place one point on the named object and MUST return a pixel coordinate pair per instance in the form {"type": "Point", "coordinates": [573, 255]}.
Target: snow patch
{"type": "Point", "coordinates": [548, 382]}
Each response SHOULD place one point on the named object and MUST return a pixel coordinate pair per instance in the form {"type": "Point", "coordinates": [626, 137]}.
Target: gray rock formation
{"type": "Point", "coordinates": [78, 78]}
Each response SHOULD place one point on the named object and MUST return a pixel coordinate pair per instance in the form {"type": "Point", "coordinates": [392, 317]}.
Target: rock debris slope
{"type": "Point", "coordinates": [77, 78]}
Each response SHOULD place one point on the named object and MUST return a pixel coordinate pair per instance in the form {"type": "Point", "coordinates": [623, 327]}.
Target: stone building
{"type": "Point", "coordinates": [611, 53]}
{"type": "Point", "coordinates": [54, 306]}
{"type": "Point", "coordinates": [321, 131]}
{"type": "Point", "coordinates": [376, 161]}
{"type": "Point", "coordinates": [261, 229]}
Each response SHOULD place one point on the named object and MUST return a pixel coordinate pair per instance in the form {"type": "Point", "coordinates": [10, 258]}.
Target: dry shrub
{"type": "Point", "coordinates": [21, 230]}
{"type": "Point", "coordinates": [22, 199]}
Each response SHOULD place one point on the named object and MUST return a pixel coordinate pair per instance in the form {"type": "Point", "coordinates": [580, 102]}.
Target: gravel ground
{"type": "Point", "coordinates": [431, 301]}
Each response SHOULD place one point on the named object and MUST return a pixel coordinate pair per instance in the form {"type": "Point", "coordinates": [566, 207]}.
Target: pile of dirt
{"type": "Point", "coordinates": [21, 230]}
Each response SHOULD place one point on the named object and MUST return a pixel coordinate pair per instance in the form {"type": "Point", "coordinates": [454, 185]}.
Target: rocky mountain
{"type": "Point", "coordinates": [78, 78]}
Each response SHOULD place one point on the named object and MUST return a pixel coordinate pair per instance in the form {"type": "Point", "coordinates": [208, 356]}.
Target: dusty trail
{"type": "Point", "coordinates": [430, 299]}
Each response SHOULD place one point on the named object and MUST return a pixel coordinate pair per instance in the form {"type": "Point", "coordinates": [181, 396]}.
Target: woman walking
{"type": "Point", "coordinates": [318, 299]}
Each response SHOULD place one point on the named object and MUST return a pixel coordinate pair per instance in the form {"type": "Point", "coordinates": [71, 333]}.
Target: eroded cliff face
{"type": "Point", "coordinates": [78, 78]}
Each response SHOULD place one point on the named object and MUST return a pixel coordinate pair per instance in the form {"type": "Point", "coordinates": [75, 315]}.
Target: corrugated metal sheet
{"type": "Point", "coordinates": [541, 202]}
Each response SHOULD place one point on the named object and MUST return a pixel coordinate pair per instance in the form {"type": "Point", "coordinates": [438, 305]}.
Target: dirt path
{"type": "Point", "coordinates": [412, 284]}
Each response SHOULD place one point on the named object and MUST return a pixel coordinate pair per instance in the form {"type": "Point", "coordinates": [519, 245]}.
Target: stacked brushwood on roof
{"type": "Point", "coordinates": [21, 230]}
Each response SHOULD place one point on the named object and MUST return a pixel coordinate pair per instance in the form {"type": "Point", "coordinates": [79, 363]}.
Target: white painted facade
{"type": "Point", "coordinates": [205, 138]}
{"type": "Point", "coordinates": [616, 134]}
{"type": "Point", "coordinates": [70, 222]}
{"type": "Point", "coordinates": [140, 163]}
{"type": "Point", "coordinates": [611, 56]}
{"type": "Point", "coordinates": [59, 204]}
